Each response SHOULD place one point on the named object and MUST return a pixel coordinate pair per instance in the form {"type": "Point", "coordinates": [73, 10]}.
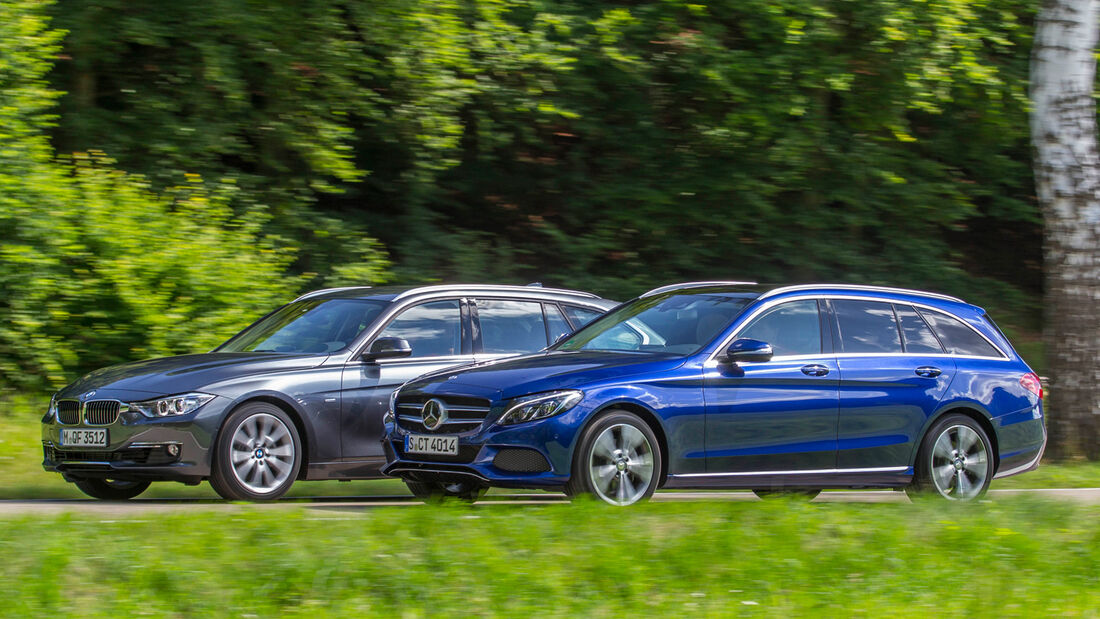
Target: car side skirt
{"type": "Point", "coordinates": [884, 477]}
{"type": "Point", "coordinates": [365, 468]}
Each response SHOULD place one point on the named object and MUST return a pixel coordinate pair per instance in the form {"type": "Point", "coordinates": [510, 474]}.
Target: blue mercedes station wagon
{"type": "Point", "coordinates": [732, 385]}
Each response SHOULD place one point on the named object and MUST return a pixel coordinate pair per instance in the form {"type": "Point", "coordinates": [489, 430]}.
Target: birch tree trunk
{"type": "Point", "coordinates": [1067, 175]}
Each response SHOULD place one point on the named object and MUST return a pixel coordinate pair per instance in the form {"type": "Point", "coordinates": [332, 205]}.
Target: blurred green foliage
{"type": "Point", "coordinates": [605, 146]}
{"type": "Point", "coordinates": [593, 144]}
{"type": "Point", "coordinates": [97, 265]}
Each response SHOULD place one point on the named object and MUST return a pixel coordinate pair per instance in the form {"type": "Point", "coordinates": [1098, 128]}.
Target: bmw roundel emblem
{"type": "Point", "coordinates": [433, 414]}
{"type": "Point", "coordinates": [88, 395]}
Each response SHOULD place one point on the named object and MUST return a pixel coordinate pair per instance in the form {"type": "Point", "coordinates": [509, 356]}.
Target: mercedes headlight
{"type": "Point", "coordinates": [540, 406]}
{"type": "Point", "coordinates": [172, 406]}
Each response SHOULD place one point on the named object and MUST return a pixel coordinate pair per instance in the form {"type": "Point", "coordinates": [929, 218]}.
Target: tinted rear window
{"type": "Point", "coordinates": [958, 338]}
{"type": "Point", "coordinates": [867, 326]}
{"type": "Point", "coordinates": [918, 337]}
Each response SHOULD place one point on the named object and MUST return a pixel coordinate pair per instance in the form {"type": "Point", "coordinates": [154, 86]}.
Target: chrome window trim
{"type": "Point", "coordinates": [879, 469]}
{"type": "Point", "coordinates": [826, 296]}
{"type": "Point", "coordinates": [920, 293]}
{"type": "Point", "coordinates": [689, 285]}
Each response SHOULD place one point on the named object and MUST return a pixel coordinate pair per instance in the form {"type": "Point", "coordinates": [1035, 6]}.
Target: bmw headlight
{"type": "Point", "coordinates": [51, 412]}
{"type": "Point", "coordinates": [172, 406]}
{"type": "Point", "coordinates": [391, 412]}
{"type": "Point", "coordinates": [540, 406]}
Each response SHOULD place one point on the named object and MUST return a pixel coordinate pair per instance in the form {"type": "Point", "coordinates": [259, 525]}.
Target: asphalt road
{"type": "Point", "coordinates": [335, 505]}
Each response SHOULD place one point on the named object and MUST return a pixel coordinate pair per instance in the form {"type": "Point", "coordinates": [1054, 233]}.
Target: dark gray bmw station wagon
{"type": "Point", "coordinates": [300, 394]}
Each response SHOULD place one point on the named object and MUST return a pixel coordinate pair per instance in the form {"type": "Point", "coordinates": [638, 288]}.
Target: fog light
{"type": "Point", "coordinates": [173, 450]}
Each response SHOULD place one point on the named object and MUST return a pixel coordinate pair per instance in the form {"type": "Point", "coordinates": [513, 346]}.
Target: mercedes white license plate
{"type": "Point", "coordinates": [431, 445]}
{"type": "Point", "coordinates": [83, 438]}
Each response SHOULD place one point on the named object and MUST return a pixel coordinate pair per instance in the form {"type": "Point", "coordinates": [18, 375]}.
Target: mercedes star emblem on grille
{"type": "Point", "coordinates": [433, 414]}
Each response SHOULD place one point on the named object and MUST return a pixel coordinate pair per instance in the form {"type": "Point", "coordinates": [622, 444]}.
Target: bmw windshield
{"type": "Point", "coordinates": [309, 326]}
{"type": "Point", "coordinates": [678, 323]}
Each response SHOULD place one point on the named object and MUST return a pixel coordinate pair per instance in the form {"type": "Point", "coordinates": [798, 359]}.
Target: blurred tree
{"type": "Point", "coordinates": [95, 267]}
{"type": "Point", "coordinates": [1067, 172]}
{"type": "Point", "coordinates": [593, 144]}
{"type": "Point", "coordinates": [257, 93]}
{"type": "Point", "coordinates": [616, 147]}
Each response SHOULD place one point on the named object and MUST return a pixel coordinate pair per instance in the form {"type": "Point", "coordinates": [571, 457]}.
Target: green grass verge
{"type": "Point", "coordinates": [22, 477]}
{"type": "Point", "coordinates": [1013, 557]}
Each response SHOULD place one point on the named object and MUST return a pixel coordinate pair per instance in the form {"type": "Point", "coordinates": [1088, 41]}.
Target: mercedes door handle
{"type": "Point", "coordinates": [815, 369]}
{"type": "Point", "coordinates": [928, 371]}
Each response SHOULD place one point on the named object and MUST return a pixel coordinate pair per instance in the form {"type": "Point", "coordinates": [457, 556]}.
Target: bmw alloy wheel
{"type": "Point", "coordinates": [262, 453]}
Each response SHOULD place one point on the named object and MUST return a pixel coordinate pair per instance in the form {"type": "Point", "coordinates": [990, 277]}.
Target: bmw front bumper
{"type": "Point", "coordinates": [138, 447]}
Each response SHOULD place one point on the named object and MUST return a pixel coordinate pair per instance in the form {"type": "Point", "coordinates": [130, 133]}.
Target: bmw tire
{"type": "Point", "coordinates": [257, 454]}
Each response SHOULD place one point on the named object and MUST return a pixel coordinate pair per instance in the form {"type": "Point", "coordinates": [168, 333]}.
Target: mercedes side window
{"type": "Point", "coordinates": [867, 326]}
{"type": "Point", "coordinates": [581, 316]}
{"type": "Point", "coordinates": [958, 338]}
{"type": "Point", "coordinates": [555, 322]}
{"type": "Point", "coordinates": [917, 337]}
{"type": "Point", "coordinates": [511, 326]}
{"type": "Point", "coordinates": [792, 328]}
{"type": "Point", "coordinates": [432, 329]}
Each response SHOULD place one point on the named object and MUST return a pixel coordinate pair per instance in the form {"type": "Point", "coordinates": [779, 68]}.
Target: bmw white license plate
{"type": "Point", "coordinates": [431, 445]}
{"type": "Point", "coordinates": [83, 438]}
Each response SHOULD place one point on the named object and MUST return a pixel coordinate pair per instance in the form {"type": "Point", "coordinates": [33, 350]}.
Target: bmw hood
{"type": "Point", "coordinates": [544, 372]}
{"type": "Point", "coordinates": [172, 375]}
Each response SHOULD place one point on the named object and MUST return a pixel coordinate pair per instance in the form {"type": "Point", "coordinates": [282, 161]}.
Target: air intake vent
{"type": "Point", "coordinates": [521, 461]}
{"type": "Point", "coordinates": [68, 412]}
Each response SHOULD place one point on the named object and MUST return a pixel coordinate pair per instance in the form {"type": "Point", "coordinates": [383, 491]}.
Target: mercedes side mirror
{"type": "Point", "coordinates": [745, 349]}
{"type": "Point", "coordinates": [388, 348]}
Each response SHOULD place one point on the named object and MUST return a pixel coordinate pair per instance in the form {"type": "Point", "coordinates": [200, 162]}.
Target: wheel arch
{"type": "Point", "coordinates": [648, 416]}
{"type": "Point", "coordinates": [970, 409]}
{"type": "Point", "coordinates": [304, 436]}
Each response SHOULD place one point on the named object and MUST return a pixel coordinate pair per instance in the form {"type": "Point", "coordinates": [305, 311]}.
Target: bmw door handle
{"type": "Point", "coordinates": [928, 371]}
{"type": "Point", "coordinates": [815, 369]}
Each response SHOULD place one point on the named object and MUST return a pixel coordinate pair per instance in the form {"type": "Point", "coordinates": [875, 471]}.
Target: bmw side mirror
{"type": "Point", "coordinates": [745, 349]}
{"type": "Point", "coordinates": [388, 348]}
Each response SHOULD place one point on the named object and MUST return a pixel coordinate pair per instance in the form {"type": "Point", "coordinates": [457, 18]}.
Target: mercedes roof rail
{"type": "Point", "coordinates": [315, 293]}
{"type": "Point", "coordinates": [919, 293]}
{"type": "Point", "coordinates": [490, 288]}
{"type": "Point", "coordinates": [685, 285]}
